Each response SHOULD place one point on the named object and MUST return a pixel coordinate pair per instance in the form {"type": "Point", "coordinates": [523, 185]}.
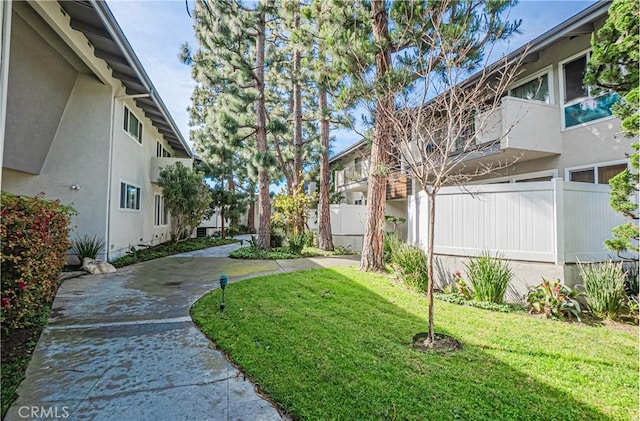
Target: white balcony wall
{"type": "Point", "coordinates": [517, 125]}
{"type": "Point", "coordinates": [157, 164]}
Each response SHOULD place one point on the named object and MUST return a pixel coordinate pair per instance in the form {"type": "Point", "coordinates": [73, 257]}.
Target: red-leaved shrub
{"type": "Point", "coordinates": [34, 234]}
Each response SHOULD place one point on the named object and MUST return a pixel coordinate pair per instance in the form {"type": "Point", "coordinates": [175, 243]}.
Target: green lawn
{"type": "Point", "coordinates": [281, 253]}
{"type": "Point", "coordinates": [334, 344]}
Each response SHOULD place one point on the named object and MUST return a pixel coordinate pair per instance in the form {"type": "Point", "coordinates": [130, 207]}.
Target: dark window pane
{"type": "Point", "coordinates": [583, 176]}
{"type": "Point", "coordinates": [123, 195]}
{"type": "Point", "coordinates": [536, 89]}
{"type": "Point", "coordinates": [573, 75]}
{"type": "Point", "coordinates": [606, 173]}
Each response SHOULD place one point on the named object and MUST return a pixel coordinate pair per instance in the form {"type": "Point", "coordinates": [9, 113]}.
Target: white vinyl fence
{"type": "Point", "coordinates": [552, 221]}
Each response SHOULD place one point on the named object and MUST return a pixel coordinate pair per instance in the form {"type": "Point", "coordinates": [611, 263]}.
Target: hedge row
{"type": "Point", "coordinates": [34, 233]}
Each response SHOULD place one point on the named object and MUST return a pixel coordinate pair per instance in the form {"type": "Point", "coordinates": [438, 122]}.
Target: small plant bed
{"type": "Point", "coordinates": [168, 249]}
{"type": "Point", "coordinates": [486, 305]}
{"type": "Point", "coordinates": [17, 347]}
{"type": "Point", "coordinates": [337, 344]}
{"type": "Point", "coordinates": [280, 253]}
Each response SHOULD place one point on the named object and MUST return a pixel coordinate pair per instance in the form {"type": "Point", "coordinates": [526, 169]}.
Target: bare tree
{"type": "Point", "coordinates": [448, 122]}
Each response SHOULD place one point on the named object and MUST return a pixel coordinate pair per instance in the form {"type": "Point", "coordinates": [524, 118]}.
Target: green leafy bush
{"type": "Point", "coordinates": [459, 288]}
{"type": "Point", "coordinates": [489, 277]}
{"type": "Point", "coordinates": [457, 299]}
{"type": "Point", "coordinates": [87, 247]}
{"type": "Point", "coordinates": [277, 237]}
{"type": "Point", "coordinates": [391, 244]}
{"type": "Point", "coordinates": [296, 243]}
{"type": "Point", "coordinates": [604, 286]}
{"type": "Point", "coordinates": [554, 300]}
{"type": "Point", "coordinates": [34, 234]}
{"type": "Point", "coordinates": [253, 253]}
{"type": "Point", "coordinates": [410, 265]}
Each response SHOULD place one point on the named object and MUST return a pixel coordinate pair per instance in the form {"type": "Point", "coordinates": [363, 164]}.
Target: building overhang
{"type": "Point", "coordinates": [96, 22]}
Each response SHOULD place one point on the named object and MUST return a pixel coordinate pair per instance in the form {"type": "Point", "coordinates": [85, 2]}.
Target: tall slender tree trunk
{"type": "Point", "coordinates": [325, 240]}
{"type": "Point", "coordinates": [432, 222]}
{"type": "Point", "coordinates": [297, 123]}
{"type": "Point", "coordinates": [223, 234]}
{"type": "Point", "coordinates": [264, 205]}
{"type": "Point", "coordinates": [373, 242]}
{"type": "Point", "coordinates": [231, 186]}
{"type": "Point", "coordinates": [251, 213]}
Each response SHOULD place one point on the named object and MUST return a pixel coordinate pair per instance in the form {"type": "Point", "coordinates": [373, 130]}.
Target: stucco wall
{"type": "Point", "coordinates": [78, 157]}
{"type": "Point", "coordinates": [131, 163]}
{"type": "Point", "coordinates": [589, 143]}
{"type": "Point", "coordinates": [40, 83]}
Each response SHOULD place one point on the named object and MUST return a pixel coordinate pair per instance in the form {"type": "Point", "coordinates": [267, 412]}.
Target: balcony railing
{"type": "Point", "coordinates": [354, 173]}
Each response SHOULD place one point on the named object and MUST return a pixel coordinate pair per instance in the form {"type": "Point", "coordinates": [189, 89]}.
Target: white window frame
{"type": "Point", "coordinates": [162, 151]}
{"type": "Point", "coordinates": [125, 121]}
{"type": "Point", "coordinates": [562, 104]}
{"type": "Point", "coordinates": [550, 81]}
{"type": "Point", "coordinates": [517, 177]}
{"type": "Point", "coordinates": [594, 167]}
{"type": "Point", "coordinates": [160, 214]}
{"type": "Point", "coordinates": [120, 197]}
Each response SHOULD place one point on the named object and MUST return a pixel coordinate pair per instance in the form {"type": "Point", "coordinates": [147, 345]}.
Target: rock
{"type": "Point", "coordinates": [96, 267]}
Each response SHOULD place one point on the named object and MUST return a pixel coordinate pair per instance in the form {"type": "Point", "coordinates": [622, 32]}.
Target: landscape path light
{"type": "Point", "coordinates": [223, 284]}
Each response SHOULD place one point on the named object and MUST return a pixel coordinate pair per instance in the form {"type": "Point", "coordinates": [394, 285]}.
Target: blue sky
{"type": "Point", "coordinates": [156, 30]}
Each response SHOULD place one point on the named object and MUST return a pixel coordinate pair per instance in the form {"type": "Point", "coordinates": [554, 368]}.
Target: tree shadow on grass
{"type": "Point", "coordinates": [326, 347]}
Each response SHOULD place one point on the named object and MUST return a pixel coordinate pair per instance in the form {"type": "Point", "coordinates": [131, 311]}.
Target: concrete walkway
{"type": "Point", "coordinates": [123, 347]}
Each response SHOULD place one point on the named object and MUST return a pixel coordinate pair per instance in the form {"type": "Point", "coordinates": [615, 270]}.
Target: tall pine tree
{"type": "Point", "coordinates": [229, 68]}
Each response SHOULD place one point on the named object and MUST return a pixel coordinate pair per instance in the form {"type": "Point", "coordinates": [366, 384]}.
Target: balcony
{"type": "Point", "coordinates": [398, 186]}
{"type": "Point", "coordinates": [519, 128]}
{"type": "Point", "coordinates": [352, 177]}
{"type": "Point", "coordinates": [158, 164]}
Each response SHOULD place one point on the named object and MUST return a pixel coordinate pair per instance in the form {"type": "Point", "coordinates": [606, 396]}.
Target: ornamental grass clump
{"type": "Point", "coordinates": [391, 244]}
{"type": "Point", "coordinates": [410, 265]}
{"type": "Point", "coordinates": [489, 277]}
{"type": "Point", "coordinates": [87, 246]}
{"type": "Point", "coordinates": [604, 285]}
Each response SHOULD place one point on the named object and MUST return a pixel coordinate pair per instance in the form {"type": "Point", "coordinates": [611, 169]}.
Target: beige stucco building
{"type": "Point", "coordinates": [82, 123]}
{"type": "Point", "coordinates": [549, 209]}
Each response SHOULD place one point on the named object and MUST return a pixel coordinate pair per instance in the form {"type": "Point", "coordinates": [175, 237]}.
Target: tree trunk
{"type": "Point", "coordinates": [297, 123]}
{"type": "Point", "coordinates": [432, 222]}
{"type": "Point", "coordinates": [264, 205]}
{"type": "Point", "coordinates": [231, 186]}
{"type": "Point", "coordinates": [325, 240]}
{"type": "Point", "coordinates": [373, 242]}
{"type": "Point", "coordinates": [251, 213]}
{"type": "Point", "coordinates": [222, 233]}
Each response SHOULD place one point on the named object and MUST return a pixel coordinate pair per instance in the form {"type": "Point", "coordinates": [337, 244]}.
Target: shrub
{"type": "Point", "coordinates": [459, 288]}
{"type": "Point", "coordinates": [296, 243]}
{"type": "Point", "coordinates": [34, 234]}
{"type": "Point", "coordinates": [554, 300]}
{"type": "Point", "coordinates": [87, 247]}
{"type": "Point", "coordinates": [604, 287]}
{"type": "Point", "coordinates": [391, 244]}
{"type": "Point", "coordinates": [277, 237]}
{"type": "Point", "coordinates": [410, 265]}
{"type": "Point", "coordinates": [489, 277]}
{"type": "Point", "coordinates": [501, 308]}
{"type": "Point", "coordinates": [252, 253]}
{"type": "Point", "coordinates": [631, 281]}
